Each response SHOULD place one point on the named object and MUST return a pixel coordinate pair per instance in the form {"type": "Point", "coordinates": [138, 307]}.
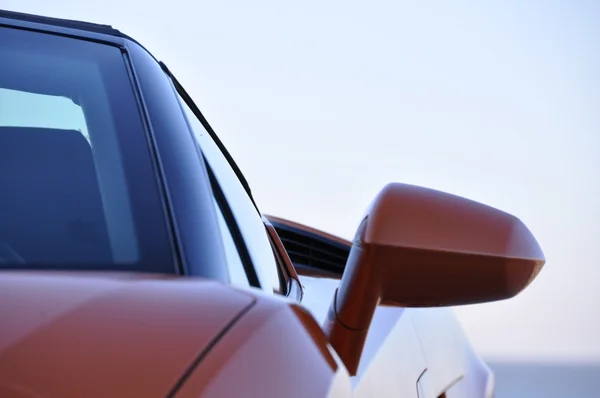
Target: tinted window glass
{"type": "Point", "coordinates": [248, 219]}
{"type": "Point", "coordinates": [235, 267]}
{"type": "Point", "coordinates": [78, 186]}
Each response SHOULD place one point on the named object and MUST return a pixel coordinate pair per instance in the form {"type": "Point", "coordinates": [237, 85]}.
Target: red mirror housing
{"type": "Point", "coordinates": [418, 247]}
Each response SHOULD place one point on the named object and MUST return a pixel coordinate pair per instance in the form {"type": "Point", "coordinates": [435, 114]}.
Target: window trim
{"type": "Point", "coordinates": [199, 246]}
{"type": "Point", "coordinates": [217, 191]}
{"type": "Point", "coordinates": [180, 90]}
{"type": "Point", "coordinates": [286, 270]}
{"type": "Point", "coordinates": [234, 229]}
{"type": "Point", "coordinates": [289, 282]}
{"type": "Point", "coordinates": [159, 173]}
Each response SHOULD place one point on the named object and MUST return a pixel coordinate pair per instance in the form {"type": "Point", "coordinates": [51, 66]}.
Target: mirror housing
{"type": "Point", "coordinates": [418, 247]}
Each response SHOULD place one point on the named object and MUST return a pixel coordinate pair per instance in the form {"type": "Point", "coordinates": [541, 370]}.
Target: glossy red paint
{"type": "Point", "coordinates": [418, 247]}
{"type": "Point", "coordinates": [275, 350]}
{"type": "Point", "coordinates": [105, 335]}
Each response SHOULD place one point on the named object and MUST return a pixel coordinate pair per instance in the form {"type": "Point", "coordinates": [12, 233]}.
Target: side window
{"type": "Point", "coordinates": [248, 220]}
{"type": "Point", "coordinates": [237, 273]}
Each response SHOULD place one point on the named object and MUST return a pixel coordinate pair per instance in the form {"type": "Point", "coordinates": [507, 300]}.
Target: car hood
{"type": "Point", "coordinates": [100, 335]}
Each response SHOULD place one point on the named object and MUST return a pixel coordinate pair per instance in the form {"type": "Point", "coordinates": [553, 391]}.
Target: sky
{"type": "Point", "coordinates": [323, 103]}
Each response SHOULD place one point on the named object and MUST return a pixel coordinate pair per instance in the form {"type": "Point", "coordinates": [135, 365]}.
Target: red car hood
{"type": "Point", "coordinates": [105, 335]}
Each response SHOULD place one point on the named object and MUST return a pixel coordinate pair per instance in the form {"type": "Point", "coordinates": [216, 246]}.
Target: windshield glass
{"type": "Point", "coordinates": [78, 189]}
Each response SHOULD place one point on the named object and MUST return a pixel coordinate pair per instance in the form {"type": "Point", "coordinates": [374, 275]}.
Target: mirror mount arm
{"type": "Point", "coordinates": [354, 303]}
{"type": "Point", "coordinates": [347, 342]}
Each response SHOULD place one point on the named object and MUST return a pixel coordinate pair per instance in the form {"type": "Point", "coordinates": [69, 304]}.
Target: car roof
{"type": "Point", "coordinates": [88, 30]}
{"type": "Point", "coordinates": [65, 23]}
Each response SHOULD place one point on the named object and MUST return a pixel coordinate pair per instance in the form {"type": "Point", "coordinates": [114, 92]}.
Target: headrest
{"type": "Point", "coordinates": [50, 203]}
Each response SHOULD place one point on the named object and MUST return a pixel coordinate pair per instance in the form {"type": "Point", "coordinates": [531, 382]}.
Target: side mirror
{"type": "Point", "coordinates": [417, 247]}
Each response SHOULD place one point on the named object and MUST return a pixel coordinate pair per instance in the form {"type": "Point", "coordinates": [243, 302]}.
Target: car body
{"type": "Point", "coordinates": [134, 261]}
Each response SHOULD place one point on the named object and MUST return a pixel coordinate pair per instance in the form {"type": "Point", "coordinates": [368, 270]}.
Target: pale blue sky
{"type": "Point", "coordinates": [323, 103]}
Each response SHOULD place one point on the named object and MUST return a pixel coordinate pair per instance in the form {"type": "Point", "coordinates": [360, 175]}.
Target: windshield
{"type": "Point", "coordinates": [78, 189]}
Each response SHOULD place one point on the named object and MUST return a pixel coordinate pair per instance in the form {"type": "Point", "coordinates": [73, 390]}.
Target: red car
{"type": "Point", "coordinates": [134, 261]}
